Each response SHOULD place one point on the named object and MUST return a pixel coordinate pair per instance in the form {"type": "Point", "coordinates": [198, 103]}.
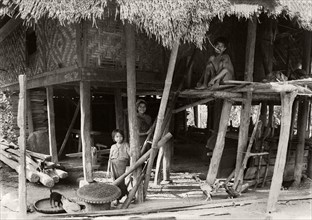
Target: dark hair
{"type": "Point", "coordinates": [114, 132]}
{"type": "Point", "coordinates": [221, 40]}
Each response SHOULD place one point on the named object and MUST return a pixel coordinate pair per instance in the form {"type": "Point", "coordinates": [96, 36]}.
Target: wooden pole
{"type": "Point", "coordinates": [29, 115]}
{"type": "Point", "coordinates": [218, 150]}
{"type": "Point", "coordinates": [287, 102]}
{"type": "Point", "coordinates": [246, 106]}
{"type": "Point", "coordinates": [132, 111]}
{"type": "Point", "coordinates": [85, 102]}
{"type": "Point", "coordinates": [21, 122]}
{"type": "Point", "coordinates": [72, 123]}
{"type": "Point", "coordinates": [119, 109]}
{"type": "Point", "coordinates": [51, 122]}
{"type": "Point", "coordinates": [161, 113]}
{"type": "Point", "coordinates": [301, 130]}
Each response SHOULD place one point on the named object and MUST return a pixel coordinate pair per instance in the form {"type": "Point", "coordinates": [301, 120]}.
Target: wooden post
{"type": "Point", "coordinates": [29, 115]}
{"type": "Point", "coordinates": [195, 110]}
{"type": "Point", "coordinates": [51, 122]}
{"type": "Point", "coordinates": [21, 122]}
{"type": "Point", "coordinates": [167, 161]}
{"type": "Point", "coordinates": [246, 105]}
{"type": "Point", "coordinates": [161, 113]}
{"type": "Point", "coordinates": [72, 123]}
{"type": "Point", "coordinates": [132, 112]}
{"type": "Point", "coordinates": [242, 139]}
{"type": "Point", "coordinates": [85, 102]}
{"type": "Point", "coordinates": [301, 131]}
{"type": "Point", "coordinates": [287, 102]}
{"type": "Point", "coordinates": [218, 150]}
{"type": "Point", "coordinates": [119, 109]}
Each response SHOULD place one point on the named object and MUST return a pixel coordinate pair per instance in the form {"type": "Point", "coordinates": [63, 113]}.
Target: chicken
{"type": "Point", "coordinates": [70, 206]}
{"type": "Point", "coordinates": [232, 193]}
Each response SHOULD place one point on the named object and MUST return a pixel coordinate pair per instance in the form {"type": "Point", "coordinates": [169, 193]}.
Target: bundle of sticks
{"type": "Point", "coordinates": [38, 168]}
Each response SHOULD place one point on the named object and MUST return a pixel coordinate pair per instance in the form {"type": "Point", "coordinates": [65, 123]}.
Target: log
{"type": "Point", "coordinates": [218, 150]}
{"type": "Point", "coordinates": [45, 179]}
{"type": "Point", "coordinates": [51, 173]}
{"type": "Point", "coordinates": [161, 113]}
{"type": "Point", "coordinates": [38, 155]}
{"type": "Point", "coordinates": [21, 123]}
{"type": "Point", "coordinates": [85, 102]}
{"type": "Point", "coordinates": [61, 173]}
{"type": "Point", "coordinates": [30, 175]}
{"type": "Point", "coordinates": [287, 102]}
{"type": "Point", "coordinates": [71, 125]}
{"type": "Point", "coordinates": [17, 154]}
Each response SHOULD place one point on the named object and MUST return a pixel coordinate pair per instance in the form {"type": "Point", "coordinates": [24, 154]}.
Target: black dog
{"type": "Point", "coordinates": [55, 197]}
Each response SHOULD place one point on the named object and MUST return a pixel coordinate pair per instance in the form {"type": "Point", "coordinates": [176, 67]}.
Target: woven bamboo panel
{"type": "Point", "coordinates": [106, 47]}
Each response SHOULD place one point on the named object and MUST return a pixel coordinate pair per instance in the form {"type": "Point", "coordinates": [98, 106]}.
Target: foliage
{"type": "Point", "coordinates": [7, 125]}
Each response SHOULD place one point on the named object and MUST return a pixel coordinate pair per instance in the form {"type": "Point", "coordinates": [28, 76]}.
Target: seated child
{"type": "Point", "coordinates": [218, 68]}
{"type": "Point", "coordinates": [119, 157]}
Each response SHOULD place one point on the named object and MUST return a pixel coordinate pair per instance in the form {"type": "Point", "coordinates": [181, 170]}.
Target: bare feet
{"type": "Point", "coordinates": [201, 87]}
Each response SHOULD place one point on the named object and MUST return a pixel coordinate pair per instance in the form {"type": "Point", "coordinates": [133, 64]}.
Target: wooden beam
{"type": "Point", "coordinates": [71, 125]}
{"type": "Point", "coordinates": [85, 102]}
{"type": "Point", "coordinates": [161, 112]}
{"type": "Point", "coordinates": [218, 150]}
{"type": "Point", "coordinates": [242, 139]}
{"type": "Point", "coordinates": [132, 110]}
{"type": "Point", "coordinates": [21, 122]}
{"type": "Point", "coordinates": [119, 109]}
{"type": "Point", "coordinates": [287, 102]}
{"type": "Point", "coordinates": [250, 48]}
{"type": "Point", "coordinates": [200, 102]}
{"type": "Point", "coordinates": [51, 124]}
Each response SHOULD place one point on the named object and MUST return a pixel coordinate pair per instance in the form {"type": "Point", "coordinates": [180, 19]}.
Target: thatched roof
{"type": "Point", "coordinates": [167, 20]}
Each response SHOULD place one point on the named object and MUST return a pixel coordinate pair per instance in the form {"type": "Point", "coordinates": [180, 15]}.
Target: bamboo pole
{"type": "Point", "coordinates": [21, 122]}
{"type": "Point", "coordinates": [161, 113]}
{"type": "Point", "coordinates": [72, 123]}
{"type": "Point", "coordinates": [218, 150]}
{"type": "Point", "coordinates": [132, 111]}
{"type": "Point", "coordinates": [287, 102]}
{"type": "Point", "coordinates": [51, 123]}
{"type": "Point", "coordinates": [85, 102]}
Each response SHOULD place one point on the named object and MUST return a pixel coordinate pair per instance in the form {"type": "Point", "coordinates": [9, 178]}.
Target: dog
{"type": "Point", "coordinates": [55, 199]}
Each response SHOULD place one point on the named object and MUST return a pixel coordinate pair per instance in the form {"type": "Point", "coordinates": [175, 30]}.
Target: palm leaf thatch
{"type": "Point", "coordinates": [167, 20]}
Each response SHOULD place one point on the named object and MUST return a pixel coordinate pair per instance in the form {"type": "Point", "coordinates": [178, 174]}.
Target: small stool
{"type": "Point", "coordinates": [98, 196]}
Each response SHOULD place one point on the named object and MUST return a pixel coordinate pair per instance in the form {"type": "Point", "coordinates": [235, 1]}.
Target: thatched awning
{"type": "Point", "coordinates": [167, 20]}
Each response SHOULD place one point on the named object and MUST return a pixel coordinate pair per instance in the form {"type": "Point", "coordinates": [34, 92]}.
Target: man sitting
{"type": "Point", "coordinates": [218, 68]}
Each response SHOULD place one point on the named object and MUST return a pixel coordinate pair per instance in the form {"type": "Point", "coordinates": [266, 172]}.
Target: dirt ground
{"type": "Point", "coordinates": [183, 191]}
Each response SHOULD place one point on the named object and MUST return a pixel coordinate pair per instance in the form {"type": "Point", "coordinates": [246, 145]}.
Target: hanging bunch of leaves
{"type": "Point", "coordinates": [8, 129]}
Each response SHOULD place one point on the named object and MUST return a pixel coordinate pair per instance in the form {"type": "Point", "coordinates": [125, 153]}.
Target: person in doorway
{"type": "Point", "coordinates": [144, 121]}
{"type": "Point", "coordinates": [119, 158]}
{"type": "Point", "coordinates": [218, 68]}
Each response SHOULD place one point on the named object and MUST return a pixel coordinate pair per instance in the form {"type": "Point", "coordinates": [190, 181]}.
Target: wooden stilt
{"type": "Point", "coordinates": [161, 113]}
{"type": "Point", "coordinates": [287, 102]}
{"type": "Point", "coordinates": [29, 115]}
{"type": "Point", "coordinates": [21, 122]}
{"type": "Point", "coordinates": [158, 165]}
{"type": "Point", "coordinates": [218, 150]}
{"type": "Point", "coordinates": [132, 112]}
{"type": "Point", "coordinates": [301, 128]}
{"type": "Point", "coordinates": [85, 101]}
{"type": "Point", "coordinates": [242, 139]}
{"type": "Point", "coordinates": [167, 161]}
{"type": "Point", "coordinates": [51, 123]}
{"type": "Point", "coordinates": [195, 110]}
{"type": "Point", "coordinates": [69, 131]}
{"type": "Point", "coordinates": [118, 109]}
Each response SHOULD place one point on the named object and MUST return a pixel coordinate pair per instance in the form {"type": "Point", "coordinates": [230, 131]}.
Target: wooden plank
{"type": "Point", "coordinates": [21, 122]}
{"type": "Point", "coordinates": [242, 139]}
{"type": "Point", "coordinates": [51, 125]}
{"type": "Point", "coordinates": [70, 128]}
{"type": "Point", "coordinates": [218, 150]}
{"type": "Point", "coordinates": [132, 110]}
{"type": "Point", "coordinates": [287, 102]}
{"type": "Point", "coordinates": [85, 102]}
{"type": "Point", "coordinates": [119, 109]}
{"type": "Point", "coordinates": [161, 112]}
